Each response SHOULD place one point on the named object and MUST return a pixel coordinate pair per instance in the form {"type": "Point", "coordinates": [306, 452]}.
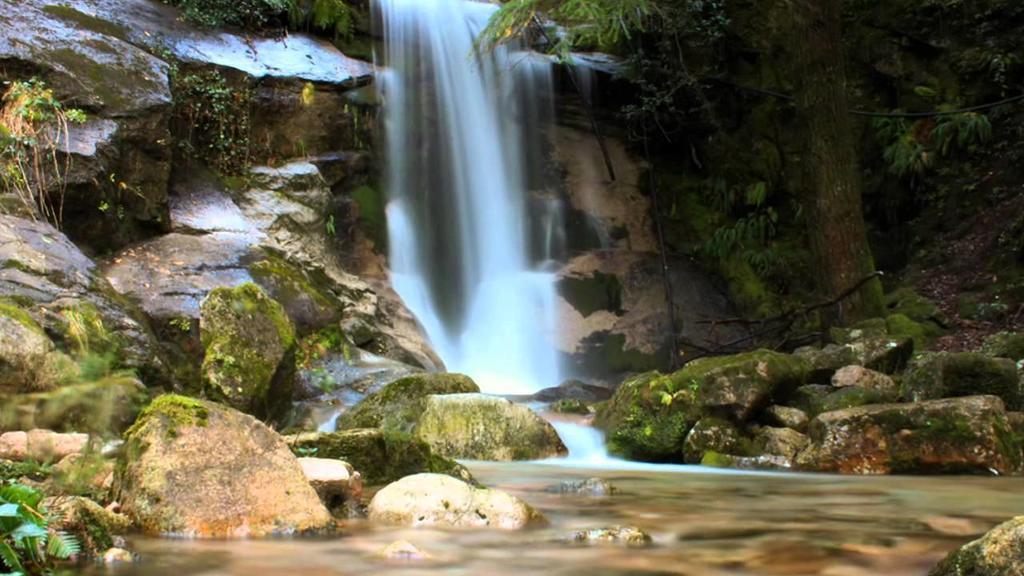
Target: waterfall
{"type": "Point", "coordinates": [464, 142]}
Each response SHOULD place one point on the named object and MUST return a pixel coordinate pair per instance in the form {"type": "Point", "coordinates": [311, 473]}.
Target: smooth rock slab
{"type": "Point", "coordinates": [436, 500]}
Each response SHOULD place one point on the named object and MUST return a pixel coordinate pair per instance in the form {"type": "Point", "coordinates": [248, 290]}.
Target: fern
{"type": "Point", "coordinates": [27, 546]}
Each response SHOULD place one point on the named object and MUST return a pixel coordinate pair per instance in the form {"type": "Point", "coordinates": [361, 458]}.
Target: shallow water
{"type": "Point", "coordinates": [703, 522]}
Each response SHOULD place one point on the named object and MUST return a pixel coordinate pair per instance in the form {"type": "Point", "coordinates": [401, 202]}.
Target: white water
{"type": "Point", "coordinates": [462, 134]}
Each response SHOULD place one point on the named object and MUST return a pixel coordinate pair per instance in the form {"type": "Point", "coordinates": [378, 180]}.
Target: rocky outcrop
{"type": "Point", "coordinates": [998, 553]}
{"type": "Point", "coordinates": [379, 456]}
{"type": "Point", "coordinates": [435, 500]}
{"type": "Point", "coordinates": [961, 435]}
{"type": "Point", "coordinates": [53, 282]}
{"type": "Point", "coordinates": [246, 338]}
{"type": "Point", "coordinates": [198, 469]}
{"type": "Point", "coordinates": [948, 375]}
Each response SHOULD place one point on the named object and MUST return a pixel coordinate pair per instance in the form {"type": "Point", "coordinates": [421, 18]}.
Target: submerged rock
{"type": "Point", "coordinates": [946, 375]}
{"type": "Point", "coordinates": [198, 469]}
{"type": "Point", "coordinates": [436, 500]}
{"type": "Point", "coordinates": [998, 553]}
{"type": "Point", "coordinates": [403, 550]}
{"type": "Point", "coordinates": [962, 435]}
{"type": "Point", "coordinates": [246, 336]}
{"type": "Point", "coordinates": [591, 488]}
{"type": "Point", "coordinates": [479, 427]}
{"type": "Point", "coordinates": [380, 456]}
{"type": "Point", "coordinates": [630, 536]}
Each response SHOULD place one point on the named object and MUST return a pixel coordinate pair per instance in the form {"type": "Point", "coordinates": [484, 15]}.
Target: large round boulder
{"type": "Point", "coordinates": [193, 468]}
{"type": "Point", "coordinates": [435, 500]}
{"type": "Point", "coordinates": [998, 553]}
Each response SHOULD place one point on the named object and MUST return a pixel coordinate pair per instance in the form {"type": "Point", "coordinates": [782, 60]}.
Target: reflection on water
{"type": "Point", "coordinates": [702, 524]}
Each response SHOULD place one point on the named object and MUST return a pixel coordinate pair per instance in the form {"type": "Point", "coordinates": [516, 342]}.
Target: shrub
{"type": "Point", "coordinates": [27, 545]}
{"type": "Point", "coordinates": [217, 119]}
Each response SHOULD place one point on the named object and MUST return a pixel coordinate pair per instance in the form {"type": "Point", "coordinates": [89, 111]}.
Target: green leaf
{"type": "Point", "coordinates": [9, 511]}
{"type": "Point", "coordinates": [10, 557]}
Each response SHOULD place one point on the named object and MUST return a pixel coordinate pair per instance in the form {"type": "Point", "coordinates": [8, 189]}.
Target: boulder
{"type": "Point", "coordinates": [380, 456]}
{"type": "Point", "coordinates": [1005, 345]}
{"type": "Point", "coordinates": [808, 398]}
{"type": "Point", "coordinates": [398, 405]}
{"type": "Point", "coordinates": [105, 408]}
{"type": "Point", "coordinates": [335, 481]}
{"type": "Point", "coordinates": [783, 442]}
{"type": "Point", "coordinates": [54, 283]}
{"type": "Point", "coordinates": [953, 374]}
{"type": "Point", "coordinates": [786, 417]}
{"type": "Point", "coordinates": [762, 462]}
{"type": "Point", "coordinates": [878, 352]}
{"type": "Point", "coordinates": [961, 435]}
{"type": "Point", "coordinates": [41, 445]}
{"type": "Point", "coordinates": [246, 337]}
{"type": "Point", "coordinates": [713, 435]}
{"type": "Point", "coordinates": [28, 360]}
{"type": "Point", "coordinates": [479, 427]}
{"type": "Point", "coordinates": [440, 501]}
{"type": "Point", "coordinates": [851, 397]}
{"type": "Point", "coordinates": [629, 536]}
{"type": "Point", "coordinates": [998, 553]}
{"type": "Point", "coordinates": [193, 468]}
{"type": "Point", "coordinates": [862, 377]}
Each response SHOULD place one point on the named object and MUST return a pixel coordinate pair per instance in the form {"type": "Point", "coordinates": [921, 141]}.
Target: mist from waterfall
{"type": "Point", "coordinates": [464, 142]}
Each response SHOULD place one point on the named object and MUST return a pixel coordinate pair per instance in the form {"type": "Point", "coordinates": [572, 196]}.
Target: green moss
{"type": "Point", "coordinates": [11, 310]}
{"type": "Point", "coordinates": [87, 21]}
{"type": "Point", "coordinates": [716, 460]}
{"type": "Point", "coordinates": [371, 215]}
{"type": "Point", "coordinates": [570, 406]}
{"type": "Point", "coordinates": [902, 327]}
{"type": "Point", "coordinates": [1005, 345]}
{"type": "Point", "coordinates": [13, 471]}
{"type": "Point", "coordinates": [173, 411]}
{"type": "Point", "coordinates": [398, 405]}
{"type": "Point", "coordinates": [320, 344]}
{"type": "Point", "coordinates": [593, 294]}
{"type": "Point", "coordinates": [288, 282]}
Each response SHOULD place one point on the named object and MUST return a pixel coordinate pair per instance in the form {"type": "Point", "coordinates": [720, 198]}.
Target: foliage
{"type": "Point", "coordinates": [910, 149]}
{"type": "Point", "coordinates": [217, 119]}
{"type": "Point", "coordinates": [33, 125]}
{"type": "Point", "coordinates": [27, 546]}
{"type": "Point", "coordinates": [330, 16]}
{"type": "Point", "coordinates": [599, 23]}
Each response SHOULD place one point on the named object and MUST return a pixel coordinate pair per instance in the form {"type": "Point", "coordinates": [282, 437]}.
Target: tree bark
{"type": "Point", "coordinates": [838, 235]}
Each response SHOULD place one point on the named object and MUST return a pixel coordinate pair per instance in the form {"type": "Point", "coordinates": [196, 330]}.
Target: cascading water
{"type": "Point", "coordinates": [464, 142]}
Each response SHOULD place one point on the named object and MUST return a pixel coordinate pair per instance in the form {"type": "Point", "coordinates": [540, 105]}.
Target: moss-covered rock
{"type": "Point", "coordinates": [739, 386]}
{"type": "Point", "coordinates": [246, 337]}
{"type": "Point", "coordinates": [198, 469]}
{"type": "Point", "coordinates": [998, 553]}
{"type": "Point", "coordinates": [808, 398]}
{"type": "Point", "coordinates": [92, 525]}
{"type": "Point", "coordinates": [782, 442]}
{"type": "Point", "coordinates": [105, 408]}
{"type": "Point", "coordinates": [399, 405]}
{"type": "Point", "coordinates": [1005, 345]}
{"type": "Point", "coordinates": [379, 456]}
{"type": "Point", "coordinates": [479, 427]}
{"type": "Point", "coordinates": [961, 435]}
{"type": "Point", "coordinates": [787, 417]}
{"type": "Point", "coordinates": [873, 349]}
{"type": "Point", "coordinates": [570, 406]}
{"type": "Point", "coordinates": [949, 375]}
{"type": "Point", "coordinates": [852, 396]}
{"type": "Point", "coordinates": [305, 295]}
{"type": "Point", "coordinates": [714, 435]}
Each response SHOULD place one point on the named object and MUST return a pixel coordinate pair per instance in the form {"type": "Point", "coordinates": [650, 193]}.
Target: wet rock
{"type": "Point", "coordinates": [479, 427]}
{"type": "Point", "coordinates": [400, 404]}
{"type": "Point", "coordinates": [405, 551]}
{"type": "Point", "coordinates": [878, 352]}
{"type": "Point", "coordinates": [104, 408]}
{"type": "Point", "coordinates": [246, 336]}
{"type": "Point", "coordinates": [762, 462]}
{"type": "Point", "coordinates": [713, 435]}
{"type": "Point", "coordinates": [52, 280]}
{"type": "Point", "coordinates": [441, 501]}
{"type": "Point", "coordinates": [591, 488]}
{"type": "Point", "coordinates": [335, 481]}
{"type": "Point", "coordinates": [784, 442]}
{"type": "Point", "coordinates": [380, 456]}
{"type": "Point", "coordinates": [948, 375]}
{"type": "Point", "coordinates": [621, 535]}
{"type": "Point", "coordinates": [787, 417]}
{"type": "Point", "coordinates": [738, 386]}
{"type": "Point", "coordinates": [862, 377]}
{"type": "Point", "coordinates": [41, 445]}
{"type": "Point", "coordinates": [998, 553]}
{"type": "Point", "coordinates": [1005, 345]}
{"type": "Point", "coordinates": [96, 528]}
{"type": "Point", "coordinates": [962, 435]}
{"type": "Point", "coordinates": [572, 390]}
{"type": "Point", "coordinates": [117, 556]}
{"type": "Point", "coordinates": [197, 469]}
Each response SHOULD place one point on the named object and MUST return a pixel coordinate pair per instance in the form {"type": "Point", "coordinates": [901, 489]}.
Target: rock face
{"type": "Point", "coordinates": [246, 336]}
{"type": "Point", "coordinates": [50, 279]}
{"type": "Point", "coordinates": [998, 553]}
{"type": "Point", "coordinates": [380, 457]}
{"type": "Point", "coordinates": [197, 469]}
{"type": "Point", "coordinates": [947, 375]}
{"type": "Point", "coordinates": [962, 435]}
{"type": "Point", "coordinates": [650, 415]}
{"type": "Point", "coordinates": [441, 501]}
{"type": "Point", "coordinates": [479, 427]}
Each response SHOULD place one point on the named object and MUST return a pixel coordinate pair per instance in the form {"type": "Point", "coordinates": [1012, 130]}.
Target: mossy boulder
{"type": "Point", "coordinates": [871, 348]}
{"type": "Point", "coordinates": [379, 456]}
{"type": "Point", "coordinates": [714, 435]}
{"type": "Point", "coordinates": [570, 406]}
{"type": "Point", "coordinates": [959, 435]}
{"type": "Point", "coordinates": [194, 468]}
{"type": "Point", "coordinates": [739, 386]}
{"type": "Point", "coordinates": [479, 427]}
{"type": "Point", "coordinates": [246, 338]}
{"type": "Point", "coordinates": [436, 500]}
{"type": "Point", "coordinates": [1005, 345]}
{"type": "Point", "coordinates": [305, 294]}
{"type": "Point", "coordinates": [861, 377]}
{"type": "Point", "coordinates": [104, 408]}
{"type": "Point", "coordinates": [782, 442]}
{"type": "Point", "coordinates": [399, 405]}
{"type": "Point", "coordinates": [950, 375]}
{"type": "Point", "coordinates": [853, 396]}
{"type": "Point", "coordinates": [998, 553]}
{"type": "Point", "coordinates": [808, 398]}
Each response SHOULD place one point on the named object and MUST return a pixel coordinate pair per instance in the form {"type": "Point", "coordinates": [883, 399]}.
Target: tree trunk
{"type": "Point", "coordinates": [837, 232]}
